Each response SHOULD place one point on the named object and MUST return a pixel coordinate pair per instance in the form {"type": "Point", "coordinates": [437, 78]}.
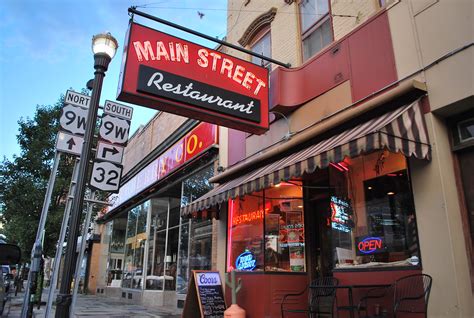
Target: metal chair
{"type": "Point", "coordinates": [372, 298]}
{"type": "Point", "coordinates": [411, 294]}
{"type": "Point", "coordinates": [321, 298]}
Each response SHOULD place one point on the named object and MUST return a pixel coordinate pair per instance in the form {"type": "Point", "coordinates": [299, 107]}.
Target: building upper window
{"type": "Point", "coordinates": [315, 26]}
{"type": "Point", "coordinates": [262, 45]}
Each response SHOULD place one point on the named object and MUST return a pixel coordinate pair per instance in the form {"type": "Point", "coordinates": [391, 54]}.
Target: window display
{"type": "Point", "coordinates": [266, 230]}
{"type": "Point", "coordinates": [372, 212]}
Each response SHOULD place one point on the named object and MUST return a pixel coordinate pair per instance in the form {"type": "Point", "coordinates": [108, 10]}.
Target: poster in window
{"type": "Point", "coordinates": [297, 258]}
{"type": "Point", "coordinates": [272, 223]}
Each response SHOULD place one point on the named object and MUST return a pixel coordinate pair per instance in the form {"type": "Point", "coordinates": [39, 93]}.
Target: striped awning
{"type": "Point", "coordinates": [402, 130]}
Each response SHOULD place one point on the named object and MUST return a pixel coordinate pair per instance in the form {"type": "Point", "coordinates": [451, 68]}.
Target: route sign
{"type": "Point", "coordinates": [76, 99]}
{"type": "Point", "coordinates": [69, 143]}
{"type": "Point", "coordinates": [106, 176]}
{"type": "Point", "coordinates": [73, 119]}
{"type": "Point", "coordinates": [114, 129]}
{"type": "Point", "coordinates": [109, 152]}
{"type": "Point", "coordinates": [118, 110]}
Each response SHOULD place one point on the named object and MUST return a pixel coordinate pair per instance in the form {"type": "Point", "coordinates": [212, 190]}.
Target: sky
{"type": "Point", "coordinates": [45, 49]}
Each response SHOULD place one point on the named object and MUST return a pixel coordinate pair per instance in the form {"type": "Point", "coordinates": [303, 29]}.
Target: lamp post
{"type": "Point", "coordinates": [104, 46]}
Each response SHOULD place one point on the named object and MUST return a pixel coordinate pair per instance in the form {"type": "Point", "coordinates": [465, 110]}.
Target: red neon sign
{"type": "Point", "coordinates": [370, 245]}
{"type": "Point", "coordinates": [164, 72]}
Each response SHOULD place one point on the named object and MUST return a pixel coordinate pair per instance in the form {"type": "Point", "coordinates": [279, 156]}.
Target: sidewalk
{"type": "Point", "coordinates": [89, 306]}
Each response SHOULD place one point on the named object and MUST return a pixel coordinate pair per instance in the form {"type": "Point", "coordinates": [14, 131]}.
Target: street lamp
{"type": "Point", "coordinates": [104, 46]}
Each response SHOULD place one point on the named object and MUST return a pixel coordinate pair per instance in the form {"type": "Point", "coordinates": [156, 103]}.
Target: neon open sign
{"type": "Point", "coordinates": [370, 245]}
{"type": "Point", "coordinates": [245, 261]}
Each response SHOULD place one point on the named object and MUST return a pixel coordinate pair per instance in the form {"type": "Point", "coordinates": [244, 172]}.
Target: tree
{"type": "Point", "coordinates": [24, 179]}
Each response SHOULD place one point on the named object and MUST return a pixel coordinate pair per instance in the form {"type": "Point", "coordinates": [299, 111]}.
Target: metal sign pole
{"type": "Point", "coordinates": [37, 248]}
{"type": "Point", "coordinates": [77, 275]}
{"type": "Point", "coordinates": [62, 235]}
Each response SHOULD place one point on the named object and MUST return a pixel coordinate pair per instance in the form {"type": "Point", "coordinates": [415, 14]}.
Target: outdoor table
{"type": "Point", "coordinates": [351, 308]}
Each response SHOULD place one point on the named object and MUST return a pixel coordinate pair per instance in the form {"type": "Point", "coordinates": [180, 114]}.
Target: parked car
{"type": "Point", "coordinates": [9, 255]}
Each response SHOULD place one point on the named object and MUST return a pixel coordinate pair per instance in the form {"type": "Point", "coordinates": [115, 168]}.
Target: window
{"type": "Point", "coordinates": [163, 244]}
{"type": "Point", "coordinates": [115, 235]}
{"type": "Point", "coordinates": [371, 212]}
{"type": "Point", "coordinates": [195, 249]}
{"type": "Point", "coordinates": [262, 46]}
{"type": "Point", "coordinates": [466, 130]}
{"type": "Point", "coordinates": [135, 246]}
{"type": "Point", "coordinates": [266, 230]}
{"type": "Point", "coordinates": [315, 26]}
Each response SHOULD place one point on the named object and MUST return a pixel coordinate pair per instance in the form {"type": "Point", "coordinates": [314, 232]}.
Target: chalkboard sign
{"type": "Point", "coordinates": [205, 298]}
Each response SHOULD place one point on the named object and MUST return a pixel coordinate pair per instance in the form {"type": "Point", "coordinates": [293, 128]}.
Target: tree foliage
{"type": "Point", "coordinates": [24, 179]}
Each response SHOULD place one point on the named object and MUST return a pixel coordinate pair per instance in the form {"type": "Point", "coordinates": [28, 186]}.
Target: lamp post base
{"type": "Point", "coordinates": [63, 303]}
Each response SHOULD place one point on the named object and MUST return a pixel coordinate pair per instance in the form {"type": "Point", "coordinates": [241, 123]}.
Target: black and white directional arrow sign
{"type": "Point", "coordinates": [109, 152]}
{"type": "Point", "coordinates": [114, 129]}
{"type": "Point", "coordinates": [69, 143]}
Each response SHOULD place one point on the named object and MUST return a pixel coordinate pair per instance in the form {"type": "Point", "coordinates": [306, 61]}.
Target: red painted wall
{"type": "Point", "coordinates": [362, 278]}
{"type": "Point", "coordinates": [261, 294]}
{"type": "Point", "coordinates": [364, 56]}
{"type": "Point", "coordinates": [236, 144]}
{"type": "Point", "coordinates": [372, 61]}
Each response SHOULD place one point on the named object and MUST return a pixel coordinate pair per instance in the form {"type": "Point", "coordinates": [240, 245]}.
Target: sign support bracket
{"type": "Point", "coordinates": [133, 10]}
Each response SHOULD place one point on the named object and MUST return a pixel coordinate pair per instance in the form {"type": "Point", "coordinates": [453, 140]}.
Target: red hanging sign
{"type": "Point", "coordinates": [164, 72]}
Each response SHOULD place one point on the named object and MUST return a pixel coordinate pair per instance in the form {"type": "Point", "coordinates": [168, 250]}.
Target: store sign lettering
{"type": "Point", "coordinates": [208, 279]}
{"type": "Point", "coordinates": [245, 261]}
{"type": "Point", "coordinates": [370, 245]}
{"type": "Point", "coordinates": [250, 216]}
{"type": "Point", "coordinates": [196, 142]}
{"type": "Point", "coordinates": [164, 72]}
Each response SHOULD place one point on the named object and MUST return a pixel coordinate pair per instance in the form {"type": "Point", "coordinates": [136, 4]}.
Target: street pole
{"type": "Point", "coordinates": [62, 236]}
{"type": "Point", "coordinates": [104, 47]}
{"type": "Point", "coordinates": [85, 228]}
{"type": "Point", "coordinates": [37, 247]}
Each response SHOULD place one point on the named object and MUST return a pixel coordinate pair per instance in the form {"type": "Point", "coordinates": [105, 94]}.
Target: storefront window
{"type": "Point", "coordinates": [195, 249]}
{"type": "Point", "coordinates": [266, 230]}
{"type": "Point", "coordinates": [163, 244]}
{"type": "Point", "coordinates": [117, 230]}
{"type": "Point", "coordinates": [135, 247]}
{"type": "Point", "coordinates": [372, 214]}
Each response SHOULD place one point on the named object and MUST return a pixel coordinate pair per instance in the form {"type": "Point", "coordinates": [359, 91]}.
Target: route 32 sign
{"type": "Point", "coordinates": [106, 176]}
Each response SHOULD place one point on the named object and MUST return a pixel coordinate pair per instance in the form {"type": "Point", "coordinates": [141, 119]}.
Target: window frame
{"type": "Point", "coordinates": [318, 23]}
{"type": "Point", "coordinates": [418, 266]}
{"type": "Point", "coordinates": [258, 37]}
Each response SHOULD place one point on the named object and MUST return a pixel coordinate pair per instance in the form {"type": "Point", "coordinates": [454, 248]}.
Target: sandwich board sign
{"type": "Point", "coordinates": [205, 298]}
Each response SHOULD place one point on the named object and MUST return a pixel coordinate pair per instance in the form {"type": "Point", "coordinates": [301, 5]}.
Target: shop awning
{"type": "Point", "coordinates": [402, 130]}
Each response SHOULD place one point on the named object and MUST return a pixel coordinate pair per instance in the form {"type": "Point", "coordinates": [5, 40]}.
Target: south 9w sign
{"type": "Point", "coordinates": [168, 73]}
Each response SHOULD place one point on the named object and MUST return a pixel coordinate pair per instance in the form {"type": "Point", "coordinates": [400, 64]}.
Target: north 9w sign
{"type": "Point", "coordinates": [164, 72]}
